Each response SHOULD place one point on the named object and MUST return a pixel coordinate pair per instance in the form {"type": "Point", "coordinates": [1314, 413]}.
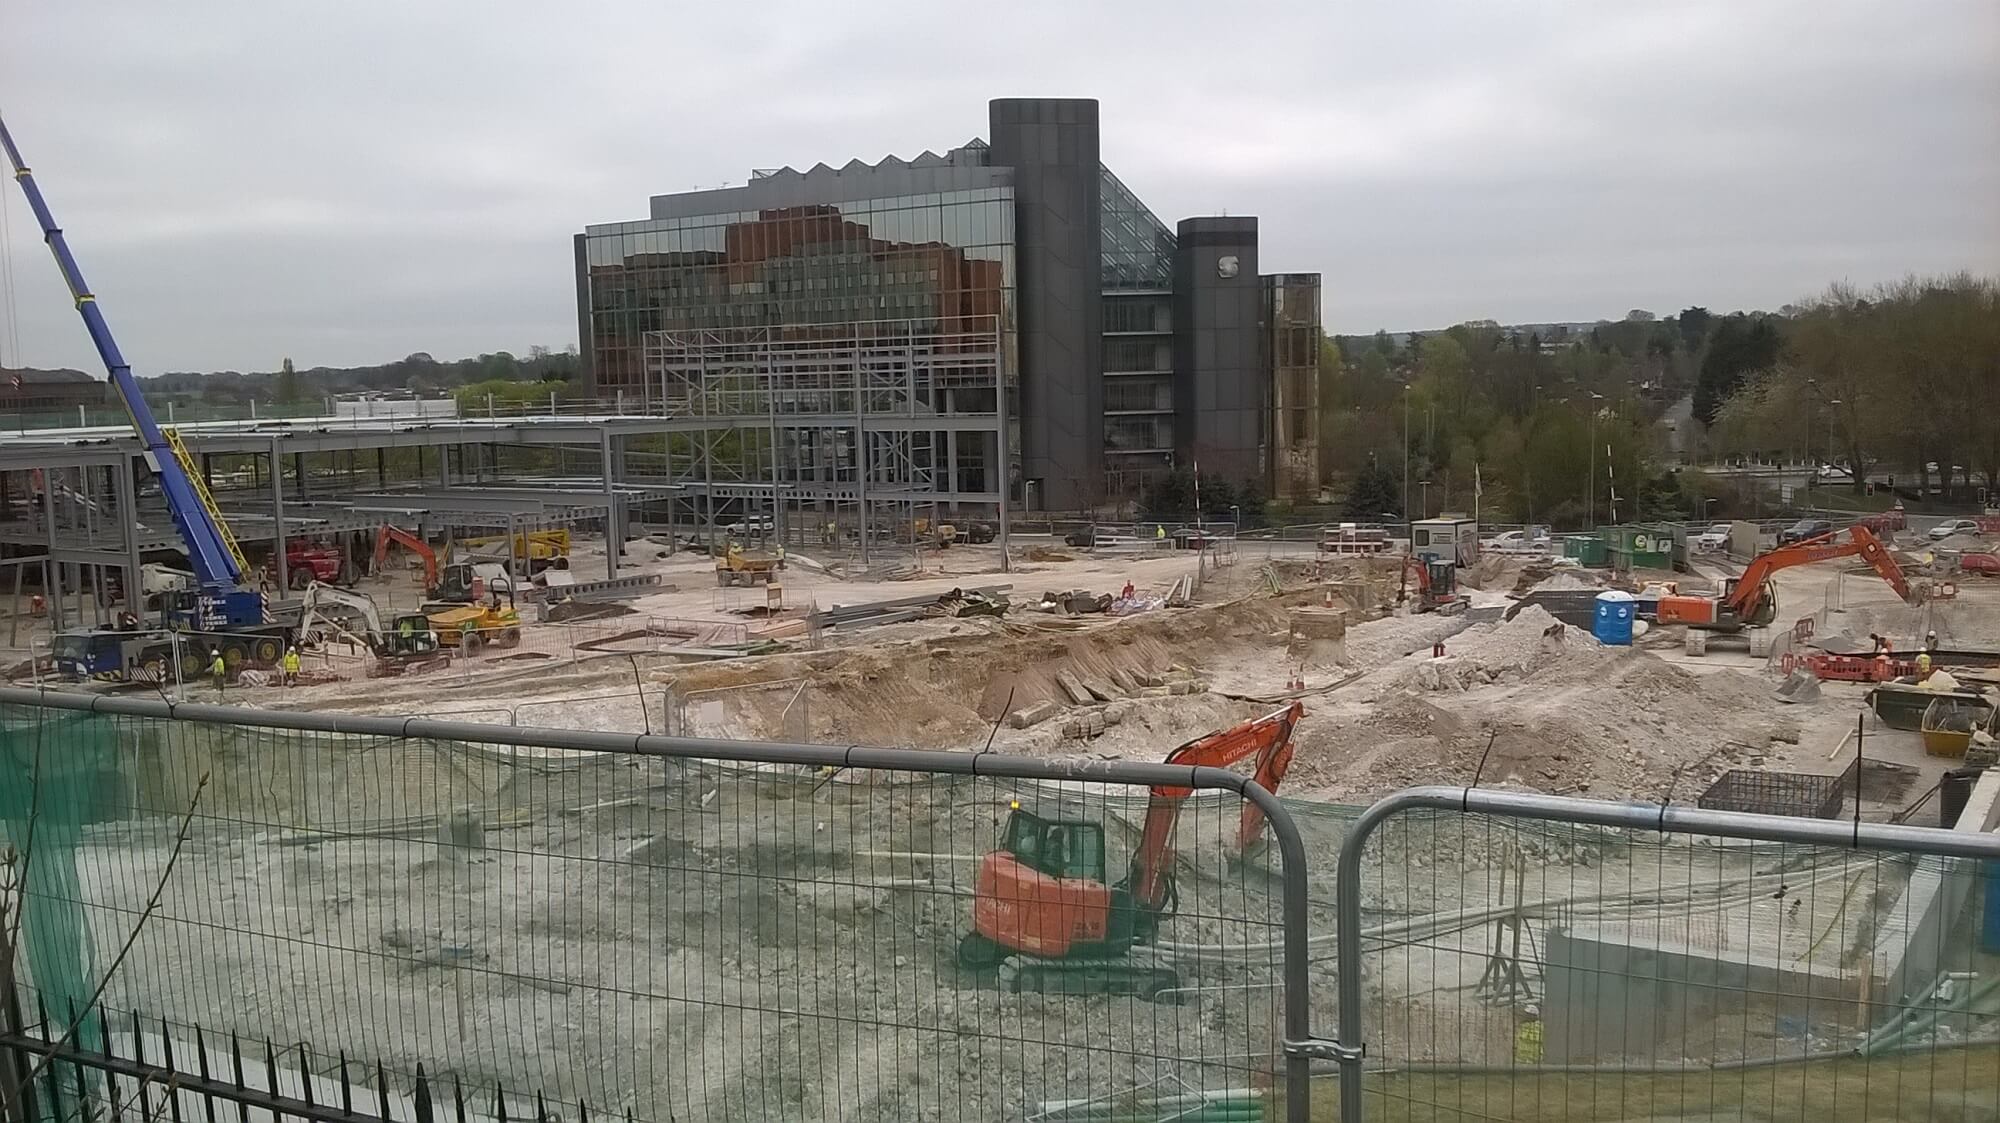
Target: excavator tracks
{"type": "Point", "coordinates": [1141, 974]}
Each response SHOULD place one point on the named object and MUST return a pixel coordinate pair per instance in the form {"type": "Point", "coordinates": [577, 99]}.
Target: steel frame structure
{"type": "Point", "coordinates": [849, 427]}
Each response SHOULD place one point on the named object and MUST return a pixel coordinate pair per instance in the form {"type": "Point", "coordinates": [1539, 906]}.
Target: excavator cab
{"type": "Point", "coordinates": [1060, 848]}
{"type": "Point", "coordinates": [410, 634]}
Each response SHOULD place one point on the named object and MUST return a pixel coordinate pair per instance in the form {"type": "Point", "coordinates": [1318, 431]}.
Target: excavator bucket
{"type": "Point", "coordinates": [1799, 686]}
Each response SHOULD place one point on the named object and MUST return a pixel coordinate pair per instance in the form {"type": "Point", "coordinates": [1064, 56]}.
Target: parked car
{"type": "Point", "coordinates": [1714, 538]}
{"type": "Point", "coordinates": [1804, 529]}
{"type": "Point", "coordinates": [1518, 541]}
{"type": "Point", "coordinates": [1986, 564]}
{"type": "Point", "coordinates": [755, 524]}
{"type": "Point", "coordinates": [1834, 472]}
{"type": "Point", "coordinates": [977, 533]}
{"type": "Point", "coordinates": [1949, 527]}
{"type": "Point", "coordinates": [1086, 537]}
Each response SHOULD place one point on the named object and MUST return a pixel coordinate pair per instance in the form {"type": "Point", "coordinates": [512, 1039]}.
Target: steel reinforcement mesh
{"type": "Point", "coordinates": [622, 935]}
{"type": "Point", "coordinates": [1527, 970]}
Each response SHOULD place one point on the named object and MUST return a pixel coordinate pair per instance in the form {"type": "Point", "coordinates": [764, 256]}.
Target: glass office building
{"type": "Point", "coordinates": [941, 259]}
{"type": "Point", "coordinates": [1025, 244]}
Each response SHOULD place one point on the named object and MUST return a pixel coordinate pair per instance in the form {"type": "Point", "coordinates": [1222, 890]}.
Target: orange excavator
{"type": "Point", "coordinates": [1437, 584]}
{"type": "Point", "coordinates": [1046, 915]}
{"type": "Point", "coordinates": [1750, 601]}
{"type": "Point", "coordinates": [396, 534]}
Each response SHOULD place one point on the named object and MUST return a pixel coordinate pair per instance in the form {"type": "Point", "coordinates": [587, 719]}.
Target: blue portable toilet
{"type": "Point", "coordinates": [1613, 623]}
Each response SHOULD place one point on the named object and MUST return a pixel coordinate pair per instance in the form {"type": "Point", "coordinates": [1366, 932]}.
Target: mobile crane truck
{"type": "Point", "coordinates": [230, 615]}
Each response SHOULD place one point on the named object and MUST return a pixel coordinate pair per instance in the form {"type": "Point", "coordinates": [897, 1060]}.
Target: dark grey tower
{"type": "Point", "coordinates": [1052, 145]}
{"type": "Point", "coordinates": [1221, 393]}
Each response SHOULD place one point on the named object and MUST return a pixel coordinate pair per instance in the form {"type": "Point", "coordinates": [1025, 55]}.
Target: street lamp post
{"type": "Point", "coordinates": [1406, 451]}
{"type": "Point", "coordinates": [1812, 468]}
{"type": "Point", "coordinates": [1590, 492]}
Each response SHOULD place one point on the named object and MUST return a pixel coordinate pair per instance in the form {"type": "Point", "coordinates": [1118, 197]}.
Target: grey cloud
{"type": "Point", "coordinates": [348, 183]}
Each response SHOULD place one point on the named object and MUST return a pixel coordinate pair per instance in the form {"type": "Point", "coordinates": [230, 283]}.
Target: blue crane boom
{"type": "Point", "coordinates": [211, 552]}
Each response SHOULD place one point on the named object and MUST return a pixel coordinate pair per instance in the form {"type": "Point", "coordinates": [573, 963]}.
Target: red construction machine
{"type": "Point", "coordinates": [1749, 600]}
{"type": "Point", "coordinates": [1043, 910]}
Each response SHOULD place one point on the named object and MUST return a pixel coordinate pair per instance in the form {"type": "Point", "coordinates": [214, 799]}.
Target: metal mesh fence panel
{"type": "Point", "coordinates": [656, 938]}
{"type": "Point", "coordinates": [1519, 969]}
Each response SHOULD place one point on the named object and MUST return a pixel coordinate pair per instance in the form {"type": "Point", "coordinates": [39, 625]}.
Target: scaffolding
{"type": "Point", "coordinates": [855, 433]}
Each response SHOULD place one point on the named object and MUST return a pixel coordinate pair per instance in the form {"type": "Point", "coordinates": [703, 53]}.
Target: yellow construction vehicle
{"type": "Point", "coordinates": [469, 627]}
{"type": "Point", "coordinates": [539, 549]}
{"type": "Point", "coordinates": [925, 532]}
{"type": "Point", "coordinates": [737, 566]}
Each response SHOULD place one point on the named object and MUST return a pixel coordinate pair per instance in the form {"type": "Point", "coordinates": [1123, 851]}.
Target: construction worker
{"type": "Point", "coordinates": [217, 669]}
{"type": "Point", "coordinates": [1923, 665]}
{"type": "Point", "coordinates": [1160, 532]}
{"type": "Point", "coordinates": [781, 555]}
{"type": "Point", "coordinates": [291, 666]}
{"type": "Point", "coordinates": [1528, 1047]}
{"type": "Point", "coordinates": [1931, 641]}
{"type": "Point", "coordinates": [1128, 592]}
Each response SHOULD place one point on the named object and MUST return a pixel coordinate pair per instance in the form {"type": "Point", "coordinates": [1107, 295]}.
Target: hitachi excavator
{"type": "Point", "coordinates": [1043, 911]}
{"type": "Point", "coordinates": [1750, 601]}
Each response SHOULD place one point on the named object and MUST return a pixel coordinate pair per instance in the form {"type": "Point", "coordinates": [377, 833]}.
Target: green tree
{"type": "Point", "coordinates": [1372, 494]}
{"type": "Point", "coordinates": [1741, 345]}
{"type": "Point", "coordinates": [289, 389]}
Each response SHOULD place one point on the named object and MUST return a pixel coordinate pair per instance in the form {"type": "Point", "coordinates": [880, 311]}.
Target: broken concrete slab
{"type": "Point", "coordinates": [1073, 686]}
{"type": "Point", "coordinates": [1123, 680]}
{"type": "Point", "coordinates": [1099, 690]}
{"type": "Point", "coordinates": [1115, 712]}
{"type": "Point", "coordinates": [1032, 715]}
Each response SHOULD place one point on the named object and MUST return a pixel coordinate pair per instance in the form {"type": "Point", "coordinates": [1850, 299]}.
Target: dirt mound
{"type": "Point", "coordinates": [947, 691]}
{"type": "Point", "coordinates": [1560, 711]}
{"type": "Point", "coordinates": [1383, 641]}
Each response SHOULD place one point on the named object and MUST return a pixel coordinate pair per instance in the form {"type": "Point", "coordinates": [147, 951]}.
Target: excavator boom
{"type": "Point", "coordinates": [1268, 738]}
{"type": "Point", "coordinates": [1749, 593]}
{"type": "Point", "coordinates": [392, 533]}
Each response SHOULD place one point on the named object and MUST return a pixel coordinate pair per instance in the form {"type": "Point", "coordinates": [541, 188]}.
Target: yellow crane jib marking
{"type": "Point", "coordinates": [193, 472]}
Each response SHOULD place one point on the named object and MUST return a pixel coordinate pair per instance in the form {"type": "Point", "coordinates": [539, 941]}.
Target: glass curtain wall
{"type": "Point", "coordinates": [943, 259]}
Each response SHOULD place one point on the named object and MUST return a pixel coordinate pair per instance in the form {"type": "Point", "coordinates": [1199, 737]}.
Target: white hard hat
{"type": "Point", "coordinates": [1532, 1010]}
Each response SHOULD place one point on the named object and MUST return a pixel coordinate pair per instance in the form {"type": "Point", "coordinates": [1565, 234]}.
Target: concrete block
{"type": "Point", "coordinates": [1073, 728]}
{"type": "Point", "coordinates": [1123, 680]}
{"type": "Point", "coordinates": [1094, 723]}
{"type": "Point", "coordinates": [1073, 686]}
{"type": "Point", "coordinates": [1032, 715]}
{"type": "Point", "coordinates": [1115, 712]}
{"type": "Point", "coordinates": [1696, 642]}
{"type": "Point", "coordinates": [1099, 690]}
{"type": "Point", "coordinates": [1180, 688]}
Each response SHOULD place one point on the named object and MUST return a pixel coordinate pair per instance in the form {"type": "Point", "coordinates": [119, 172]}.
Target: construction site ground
{"type": "Point", "coordinates": [732, 896]}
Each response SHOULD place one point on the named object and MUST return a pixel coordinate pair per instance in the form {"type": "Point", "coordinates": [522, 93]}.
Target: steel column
{"type": "Point", "coordinates": [278, 512]}
{"type": "Point", "coordinates": [614, 537]}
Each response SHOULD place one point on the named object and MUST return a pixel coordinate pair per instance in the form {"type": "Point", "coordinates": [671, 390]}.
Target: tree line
{"type": "Point", "coordinates": [418, 374]}
{"type": "Point", "coordinates": [1900, 381]}
{"type": "Point", "coordinates": [1549, 425]}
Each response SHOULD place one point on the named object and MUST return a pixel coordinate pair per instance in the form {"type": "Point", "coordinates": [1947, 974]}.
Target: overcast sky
{"type": "Point", "coordinates": [349, 182]}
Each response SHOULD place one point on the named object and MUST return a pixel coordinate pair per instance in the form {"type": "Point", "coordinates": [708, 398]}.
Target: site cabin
{"type": "Point", "coordinates": [1455, 539]}
{"type": "Point", "coordinates": [1348, 539]}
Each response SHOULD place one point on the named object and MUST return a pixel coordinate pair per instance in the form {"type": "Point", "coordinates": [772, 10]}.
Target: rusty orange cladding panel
{"type": "Point", "coordinates": [1027, 911]}
{"type": "Point", "coordinates": [1686, 610]}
